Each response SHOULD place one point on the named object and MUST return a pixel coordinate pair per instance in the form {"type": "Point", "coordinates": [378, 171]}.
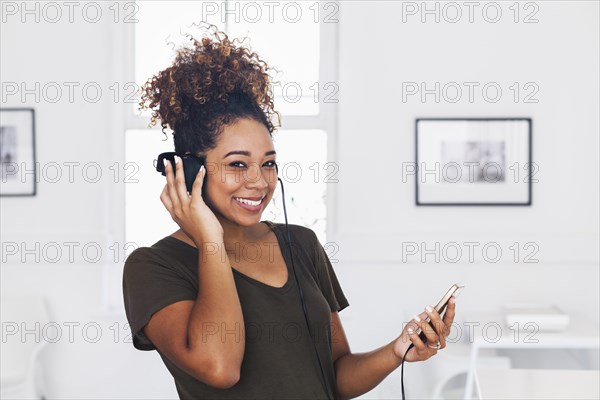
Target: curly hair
{"type": "Point", "coordinates": [208, 86]}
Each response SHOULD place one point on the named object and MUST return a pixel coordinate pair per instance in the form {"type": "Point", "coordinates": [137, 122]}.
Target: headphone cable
{"type": "Point", "coordinates": [323, 380]}
{"type": "Point", "coordinates": [402, 369]}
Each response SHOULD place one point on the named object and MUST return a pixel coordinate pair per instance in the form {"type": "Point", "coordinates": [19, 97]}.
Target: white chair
{"type": "Point", "coordinates": [23, 321]}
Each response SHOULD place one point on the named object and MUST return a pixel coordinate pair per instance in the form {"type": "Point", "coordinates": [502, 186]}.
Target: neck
{"type": "Point", "coordinates": [234, 233]}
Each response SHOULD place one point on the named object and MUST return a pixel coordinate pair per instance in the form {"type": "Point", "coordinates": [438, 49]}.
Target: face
{"type": "Point", "coordinates": [241, 172]}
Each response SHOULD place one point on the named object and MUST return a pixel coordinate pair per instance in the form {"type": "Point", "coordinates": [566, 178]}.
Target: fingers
{"type": "Point", "coordinates": [172, 194]}
{"type": "Point", "coordinates": [434, 330]}
{"type": "Point", "coordinates": [180, 187]}
{"type": "Point", "coordinates": [449, 315]}
{"type": "Point", "coordinates": [420, 346]}
{"type": "Point", "coordinates": [431, 337]}
{"type": "Point", "coordinates": [199, 181]}
{"type": "Point", "coordinates": [175, 190]}
{"type": "Point", "coordinates": [437, 326]}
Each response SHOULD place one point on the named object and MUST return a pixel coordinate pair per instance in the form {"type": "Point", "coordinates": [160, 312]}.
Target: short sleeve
{"type": "Point", "coordinates": [150, 284]}
{"type": "Point", "coordinates": [327, 280]}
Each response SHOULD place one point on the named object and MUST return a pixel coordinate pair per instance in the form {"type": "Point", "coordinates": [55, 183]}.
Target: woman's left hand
{"type": "Point", "coordinates": [435, 331]}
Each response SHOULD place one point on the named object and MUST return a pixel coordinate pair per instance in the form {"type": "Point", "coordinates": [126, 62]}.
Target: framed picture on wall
{"type": "Point", "coordinates": [17, 152]}
{"type": "Point", "coordinates": [473, 161]}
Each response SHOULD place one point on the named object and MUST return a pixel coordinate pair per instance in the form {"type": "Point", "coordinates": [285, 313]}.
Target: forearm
{"type": "Point", "coordinates": [358, 373]}
{"type": "Point", "coordinates": [216, 321]}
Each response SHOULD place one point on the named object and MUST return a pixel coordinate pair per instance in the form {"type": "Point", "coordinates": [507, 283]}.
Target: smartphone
{"type": "Point", "coordinates": [441, 305]}
{"type": "Point", "coordinates": [191, 167]}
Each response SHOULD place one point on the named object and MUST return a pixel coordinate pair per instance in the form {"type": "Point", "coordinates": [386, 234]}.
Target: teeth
{"type": "Point", "coordinates": [249, 202]}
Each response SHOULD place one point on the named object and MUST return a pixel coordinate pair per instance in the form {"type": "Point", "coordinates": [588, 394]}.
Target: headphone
{"type": "Point", "coordinates": [191, 167]}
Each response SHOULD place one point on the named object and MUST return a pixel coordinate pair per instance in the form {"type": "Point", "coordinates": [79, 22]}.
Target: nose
{"type": "Point", "coordinates": [255, 178]}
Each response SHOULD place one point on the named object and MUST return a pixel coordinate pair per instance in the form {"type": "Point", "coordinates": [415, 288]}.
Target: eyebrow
{"type": "Point", "coordinates": [247, 153]}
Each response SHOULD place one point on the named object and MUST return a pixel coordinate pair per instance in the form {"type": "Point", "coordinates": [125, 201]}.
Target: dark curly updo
{"type": "Point", "coordinates": [208, 86]}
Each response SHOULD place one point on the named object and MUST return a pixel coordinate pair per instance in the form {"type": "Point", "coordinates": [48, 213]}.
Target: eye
{"type": "Point", "coordinates": [240, 164]}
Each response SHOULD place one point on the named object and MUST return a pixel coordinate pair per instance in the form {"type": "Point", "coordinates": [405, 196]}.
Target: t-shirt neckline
{"type": "Point", "coordinates": [281, 242]}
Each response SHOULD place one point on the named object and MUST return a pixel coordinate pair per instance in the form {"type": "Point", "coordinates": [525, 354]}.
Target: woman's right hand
{"type": "Point", "coordinates": [190, 212]}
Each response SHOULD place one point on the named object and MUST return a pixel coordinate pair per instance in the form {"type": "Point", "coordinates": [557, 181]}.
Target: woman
{"type": "Point", "coordinates": [218, 299]}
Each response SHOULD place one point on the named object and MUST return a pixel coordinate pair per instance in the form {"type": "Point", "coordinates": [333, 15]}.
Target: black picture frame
{"type": "Point", "coordinates": [462, 137]}
{"type": "Point", "coordinates": [17, 152]}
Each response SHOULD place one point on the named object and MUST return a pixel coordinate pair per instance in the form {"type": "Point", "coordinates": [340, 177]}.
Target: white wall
{"type": "Point", "coordinates": [375, 210]}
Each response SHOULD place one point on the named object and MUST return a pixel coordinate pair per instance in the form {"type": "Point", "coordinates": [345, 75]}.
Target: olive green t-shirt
{"type": "Point", "coordinates": [279, 360]}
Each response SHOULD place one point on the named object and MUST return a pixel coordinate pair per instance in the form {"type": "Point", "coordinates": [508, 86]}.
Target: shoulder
{"type": "Point", "coordinates": [140, 259]}
{"type": "Point", "coordinates": [157, 255]}
{"type": "Point", "coordinates": [142, 254]}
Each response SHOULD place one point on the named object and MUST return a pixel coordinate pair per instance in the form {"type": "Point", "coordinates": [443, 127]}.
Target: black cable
{"type": "Point", "coordinates": [289, 241]}
{"type": "Point", "coordinates": [402, 369]}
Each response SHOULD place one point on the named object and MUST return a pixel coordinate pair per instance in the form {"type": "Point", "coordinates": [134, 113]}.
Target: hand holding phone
{"type": "Point", "coordinates": [454, 291]}
{"type": "Point", "coordinates": [422, 349]}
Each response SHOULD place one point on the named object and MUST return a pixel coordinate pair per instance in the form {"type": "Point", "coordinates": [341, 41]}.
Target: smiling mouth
{"type": "Point", "coordinates": [251, 202]}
